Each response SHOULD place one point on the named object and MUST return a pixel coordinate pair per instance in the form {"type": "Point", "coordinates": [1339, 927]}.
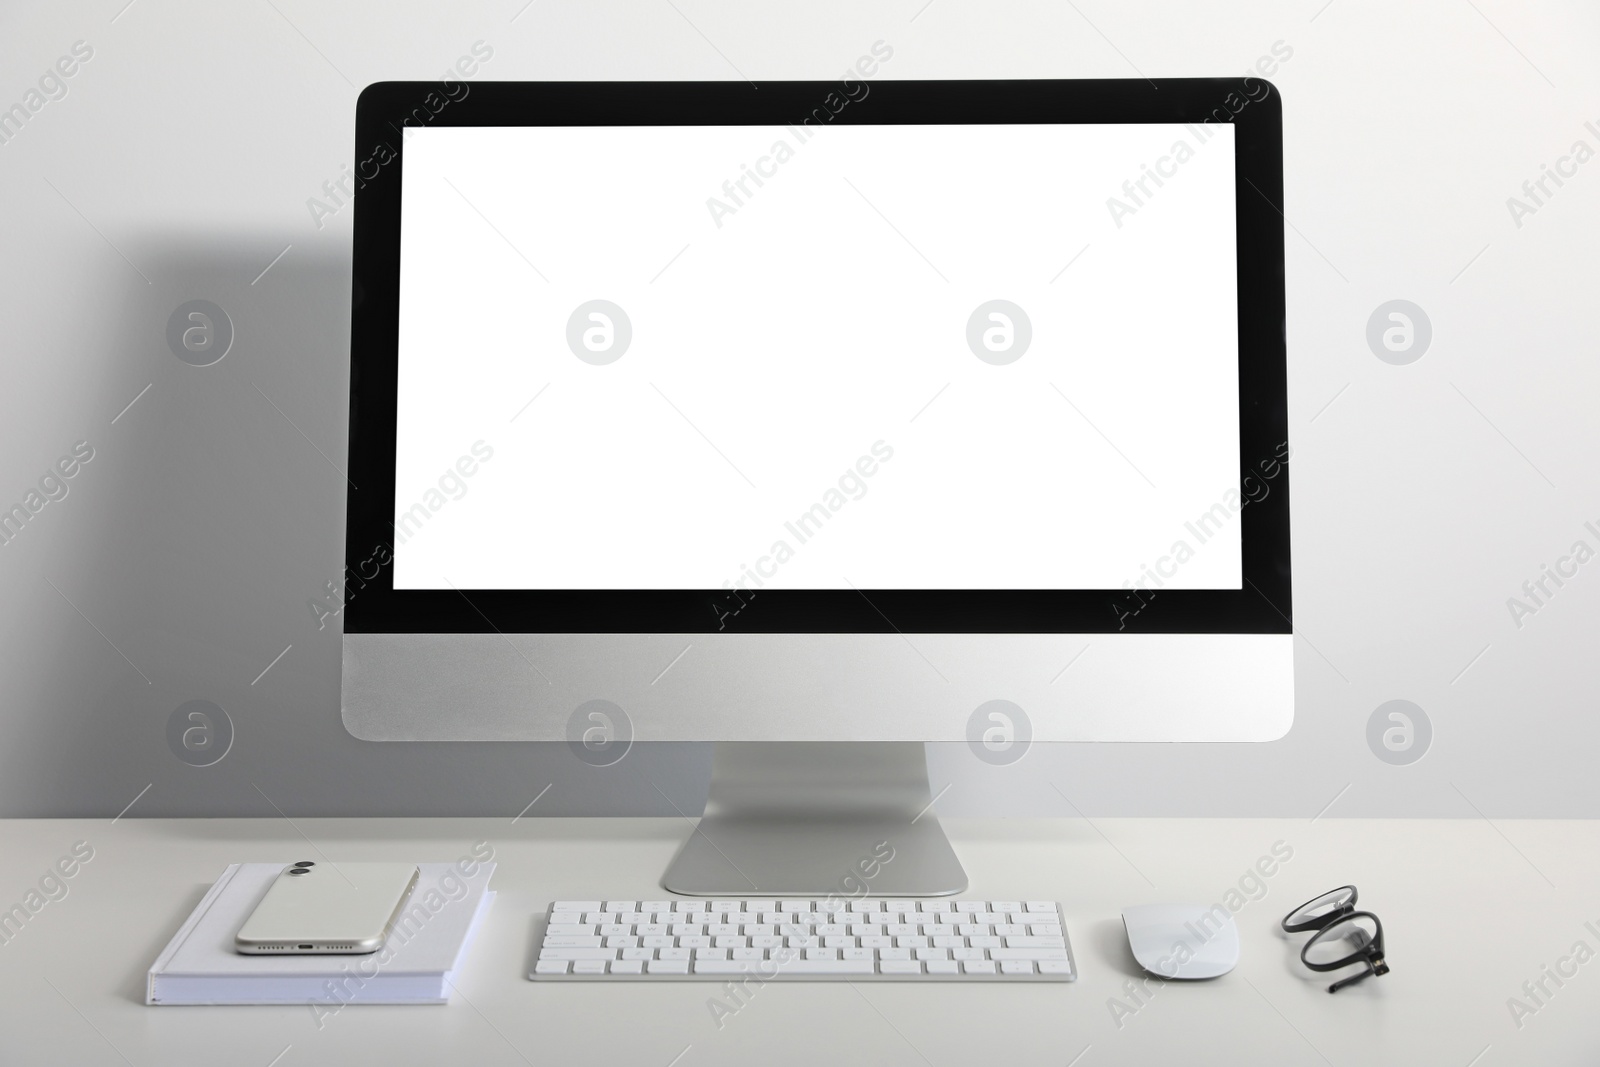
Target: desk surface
{"type": "Point", "coordinates": [1471, 911]}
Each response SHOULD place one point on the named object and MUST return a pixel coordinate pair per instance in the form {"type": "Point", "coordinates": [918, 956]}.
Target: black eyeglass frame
{"type": "Point", "coordinates": [1371, 955]}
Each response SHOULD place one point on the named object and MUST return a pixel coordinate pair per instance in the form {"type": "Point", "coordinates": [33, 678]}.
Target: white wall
{"type": "Point", "coordinates": [179, 164]}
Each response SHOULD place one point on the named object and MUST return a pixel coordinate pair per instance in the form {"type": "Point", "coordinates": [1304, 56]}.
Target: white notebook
{"type": "Point", "coordinates": [416, 966]}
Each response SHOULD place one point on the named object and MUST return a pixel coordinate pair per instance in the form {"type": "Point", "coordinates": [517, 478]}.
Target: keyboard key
{"type": "Point", "coordinates": [638, 953]}
{"type": "Point", "coordinates": [577, 905]}
{"type": "Point", "coordinates": [748, 954]}
{"type": "Point", "coordinates": [949, 942]}
{"type": "Point", "coordinates": [657, 942]}
{"type": "Point", "coordinates": [1044, 929]}
{"type": "Point", "coordinates": [943, 967]}
{"type": "Point", "coordinates": [967, 907]}
{"type": "Point", "coordinates": [1054, 967]}
{"type": "Point", "coordinates": [621, 905]}
{"type": "Point", "coordinates": [710, 953]}
{"type": "Point", "coordinates": [931, 953]}
{"type": "Point", "coordinates": [569, 930]}
{"type": "Point", "coordinates": [1042, 905]}
{"type": "Point", "coordinates": [1035, 942]}
{"type": "Point", "coordinates": [979, 967]}
{"type": "Point", "coordinates": [589, 967]}
{"type": "Point", "coordinates": [825, 967]}
{"type": "Point", "coordinates": [628, 967]}
{"type": "Point", "coordinates": [900, 967]}
{"type": "Point", "coordinates": [672, 954]}
{"type": "Point", "coordinates": [668, 966]}
{"type": "Point", "coordinates": [690, 905]}
{"type": "Point", "coordinates": [655, 905]}
{"type": "Point", "coordinates": [1016, 967]}
{"type": "Point", "coordinates": [550, 967]}
{"type": "Point", "coordinates": [578, 953]}
{"type": "Point", "coordinates": [1025, 953]}
{"type": "Point", "coordinates": [726, 967]}
{"type": "Point", "coordinates": [900, 905]}
{"type": "Point", "coordinates": [984, 942]}
{"type": "Point", "coordinates": [1005, 905]}
{"type": "Point", "coordinates": [572, 942]}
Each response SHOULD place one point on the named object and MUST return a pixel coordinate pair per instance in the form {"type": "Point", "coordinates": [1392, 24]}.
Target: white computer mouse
{"type": "Point", "coordinates": [1182, 940]}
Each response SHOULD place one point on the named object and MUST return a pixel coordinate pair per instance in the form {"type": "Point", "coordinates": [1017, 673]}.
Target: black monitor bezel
{"type": "Point", "coordinates": [1251, 105]}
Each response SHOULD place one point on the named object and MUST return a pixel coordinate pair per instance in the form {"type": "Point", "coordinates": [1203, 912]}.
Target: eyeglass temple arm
{"type": "Point", "coordinates": [1374, 966]}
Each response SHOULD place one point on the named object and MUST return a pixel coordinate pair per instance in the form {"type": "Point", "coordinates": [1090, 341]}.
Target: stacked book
{"type": "Point", "coordinates": [417, 964]}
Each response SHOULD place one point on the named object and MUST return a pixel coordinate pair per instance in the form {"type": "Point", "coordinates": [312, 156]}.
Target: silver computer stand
{"type": "Point", "coordinates": [807, 818]}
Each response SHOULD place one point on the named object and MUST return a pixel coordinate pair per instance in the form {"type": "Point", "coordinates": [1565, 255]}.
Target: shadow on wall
{"type": "Point", "coordinates": [185, 561]}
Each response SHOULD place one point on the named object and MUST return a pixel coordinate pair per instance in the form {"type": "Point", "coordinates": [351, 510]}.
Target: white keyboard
{"type": "Point", "coordinates": [805, 940]}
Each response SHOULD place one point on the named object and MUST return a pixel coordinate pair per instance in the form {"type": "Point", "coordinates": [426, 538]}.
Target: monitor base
{"type": "Point", "coordinates": [813, 818]}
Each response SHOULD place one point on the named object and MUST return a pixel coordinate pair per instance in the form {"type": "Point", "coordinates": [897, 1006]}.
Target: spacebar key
{"type": "Point", "coordinates": [772, 969]}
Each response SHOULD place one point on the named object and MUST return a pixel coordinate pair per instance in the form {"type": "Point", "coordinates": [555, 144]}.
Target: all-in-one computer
{"type": "Point", "coordinates": [818, 420]}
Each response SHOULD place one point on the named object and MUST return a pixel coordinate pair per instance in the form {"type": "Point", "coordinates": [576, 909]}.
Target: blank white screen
{"type": "Point", "coordinates": [774, 345]}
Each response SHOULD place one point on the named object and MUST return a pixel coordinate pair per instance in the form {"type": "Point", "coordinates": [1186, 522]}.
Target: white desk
{"type": "Point", "coordinates": [1467, 914]}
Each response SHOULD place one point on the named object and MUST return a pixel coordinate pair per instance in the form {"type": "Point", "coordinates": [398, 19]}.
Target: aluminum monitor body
{"type": "Point", "coordinates": [1146, 658]}
{"type": "Point", "coordinates": [820, 687]}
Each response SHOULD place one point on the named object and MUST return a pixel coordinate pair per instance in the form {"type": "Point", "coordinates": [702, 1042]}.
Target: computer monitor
{"type": "Point", "coordinates": [848, 415]}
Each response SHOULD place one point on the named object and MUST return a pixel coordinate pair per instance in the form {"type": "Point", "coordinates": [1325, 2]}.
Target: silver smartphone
{"type": "Point", "coordinates": [323, 908]}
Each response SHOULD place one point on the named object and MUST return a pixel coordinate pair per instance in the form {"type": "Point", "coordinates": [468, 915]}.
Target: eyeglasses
{"type": "Point", "coordinates": [1343, 935]}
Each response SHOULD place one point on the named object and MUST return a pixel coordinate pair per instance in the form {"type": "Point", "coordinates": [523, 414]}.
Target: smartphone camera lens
{"type": "Point", "coordinates": [298, 870]}
{"type": "Point", "coordinates": [305, 863]}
